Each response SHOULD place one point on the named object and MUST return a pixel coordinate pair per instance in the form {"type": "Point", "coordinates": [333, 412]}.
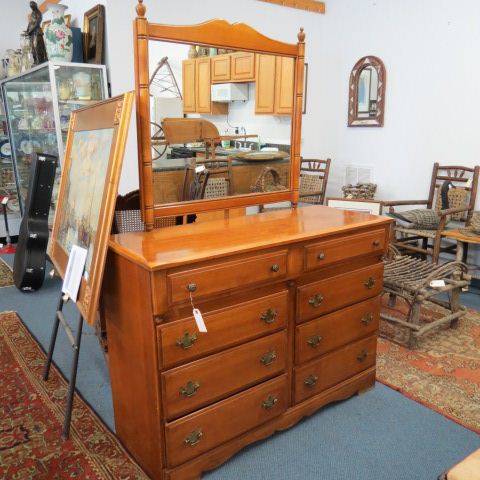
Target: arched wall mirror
{"type": "Point", "coordinates": [366, 94]}
{"type": "Point", "coordinates": [217, 105]}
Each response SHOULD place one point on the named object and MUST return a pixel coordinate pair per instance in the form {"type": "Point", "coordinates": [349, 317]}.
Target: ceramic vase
{"type": "Point", "coordinates": [58, 37]}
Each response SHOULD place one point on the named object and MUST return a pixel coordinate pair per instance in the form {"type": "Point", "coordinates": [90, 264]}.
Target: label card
{"type": "Point", "coordinates": [437, 283]}
{"type": "Point", "coordinates": [200, 168]}
{"type": "Point", "coordinates": [74, 272]}
{"type": "Point", "coordinates": [199, 319]}
{"type": "Point", "coordinates": [4, 200]}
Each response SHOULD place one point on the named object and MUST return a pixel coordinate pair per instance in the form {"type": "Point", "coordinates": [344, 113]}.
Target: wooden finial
{"type": "Point", "coordinates": [301, 35]}
{"type": "Point", "coordinates": [141, 9]}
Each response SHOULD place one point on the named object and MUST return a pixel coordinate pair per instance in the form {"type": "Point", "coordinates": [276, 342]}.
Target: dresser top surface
{"type": "Point", "coordinates": [184, 244]}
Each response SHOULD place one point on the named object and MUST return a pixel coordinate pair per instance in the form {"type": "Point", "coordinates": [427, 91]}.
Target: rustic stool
{"type": "Point", "coordinates": [410, 278]}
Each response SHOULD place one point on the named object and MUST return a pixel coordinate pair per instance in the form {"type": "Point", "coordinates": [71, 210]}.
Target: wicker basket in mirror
{"type": "Point", "coordinates": [474, 228]}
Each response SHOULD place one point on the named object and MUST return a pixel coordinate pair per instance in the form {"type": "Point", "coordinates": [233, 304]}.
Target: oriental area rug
{"type": "Point", "coordinates": [31, 420]}
{"type": "Point", "coordinates": [442, 373]}
{"type": "Point", "coordinates": [6, 276]}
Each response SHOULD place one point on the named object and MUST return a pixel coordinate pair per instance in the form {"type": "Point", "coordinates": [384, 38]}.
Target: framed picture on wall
{"type": "Point", "coordinates": [93, 34]}
{"type": "Point", "coordinates": [374, 207]}
{"type": "Point", "coordinates": [88, 190]}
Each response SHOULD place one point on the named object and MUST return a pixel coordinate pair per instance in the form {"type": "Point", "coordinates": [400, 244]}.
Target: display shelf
{"type": "Point", "coordinates": [38, 104]}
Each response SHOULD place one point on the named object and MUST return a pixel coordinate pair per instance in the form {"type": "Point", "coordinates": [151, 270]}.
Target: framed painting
{"type": "Point", "coordinates": [93, 34]}
{"type": "Point", "coordinates": [88, 189]}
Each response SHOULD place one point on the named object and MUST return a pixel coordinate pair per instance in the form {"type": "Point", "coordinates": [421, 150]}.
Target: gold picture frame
{"type": "Point", "coordinates": [91, 172]}
{"type": "Point", "coordinates": [68, 21]}
{"type": "Point", "coordinates": [93, 33]}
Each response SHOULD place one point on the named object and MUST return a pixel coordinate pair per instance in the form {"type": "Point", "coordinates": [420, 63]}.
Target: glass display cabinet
{"type": "Point", "coordinates": [8, 186]}
{"type": "Point", "coordinates": [38, 105]}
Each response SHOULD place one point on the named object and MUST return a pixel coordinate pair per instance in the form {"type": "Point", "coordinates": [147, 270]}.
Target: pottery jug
{"type": "Point", "coordinates": [58, 37]}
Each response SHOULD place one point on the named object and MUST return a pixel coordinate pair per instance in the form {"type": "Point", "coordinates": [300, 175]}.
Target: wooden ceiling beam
{"type": "Point", "coordinates": [309, 5]}
{"type": "Point", "coordinates": [44, 5]}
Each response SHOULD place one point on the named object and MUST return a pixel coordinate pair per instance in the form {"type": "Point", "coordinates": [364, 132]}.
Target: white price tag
{"type": "Point", "coordinates": [437, 283]}
{"type": "Point", "coordinates": [199, 319]}
{"type": "Point", "coordinates": [4, 200]}
{"type": "Point", "coordinates": [74, 272]}
{"type": "Point", "coordinates": [469, 182]}
{"type": "Point", "coordinates": [200, 168]}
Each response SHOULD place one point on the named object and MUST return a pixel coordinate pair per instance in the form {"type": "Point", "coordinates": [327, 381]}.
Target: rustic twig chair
{"type": "Point", "coordinates": [462, 203]}
{"type": "Point", "coordinates": [313, 180]}
{"type": "Point", "coordinates": [410, 278]}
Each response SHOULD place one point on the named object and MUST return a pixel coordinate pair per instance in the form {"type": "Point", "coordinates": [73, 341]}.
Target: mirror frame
{"type": "Point", "coordinates": [220, 34]}
{"type": "Point", "coordinates": [353, 119]}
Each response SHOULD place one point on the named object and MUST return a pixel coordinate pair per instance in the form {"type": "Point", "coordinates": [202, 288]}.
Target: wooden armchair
{"type": "Point", "coordinates": [461, 206]}
{"type": "Point", "coordinates": [313, 180]}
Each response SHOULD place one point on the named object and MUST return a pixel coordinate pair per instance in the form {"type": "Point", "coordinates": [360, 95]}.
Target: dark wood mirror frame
{"type": "Point", "coordinates": [220, 34]}
{"type": "Point", "coordinates": [354, 120]}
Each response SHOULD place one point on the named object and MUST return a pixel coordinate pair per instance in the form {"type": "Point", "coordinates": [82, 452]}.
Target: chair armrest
{"type": "Point", "coordinates": [451, 211]}
{"type": "Point", "coordinates": [394, 203]}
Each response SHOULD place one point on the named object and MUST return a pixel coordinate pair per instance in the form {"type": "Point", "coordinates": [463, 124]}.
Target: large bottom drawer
{"type": "Point", "coordinates": [201, 431]}
{"type": "Point", "coordinates": [318, 375]}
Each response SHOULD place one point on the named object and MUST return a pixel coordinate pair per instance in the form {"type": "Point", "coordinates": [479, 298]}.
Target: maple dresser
{"type": "Point", "coordinates": [290, 300]}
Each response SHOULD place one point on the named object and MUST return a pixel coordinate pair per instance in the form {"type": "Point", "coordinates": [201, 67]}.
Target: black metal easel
{"type": "Point", "coordinates": [75, 344]}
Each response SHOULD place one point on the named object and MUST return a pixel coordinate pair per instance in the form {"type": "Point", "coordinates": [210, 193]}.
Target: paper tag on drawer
{"type": "Point", "coordinates": [437, 283]}
{"type": "Point", "coordinates": [199, 319]}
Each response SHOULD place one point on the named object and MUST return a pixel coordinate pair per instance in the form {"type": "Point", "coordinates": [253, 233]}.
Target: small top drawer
{"type": "Point", "coordinates": [226, 275]}
{"type": "Point", "coordinates": [327, 295]}
{"type": "Point", "coordinates": [338, 249]}
{"type": "Point", "coordinates": [180, 342]}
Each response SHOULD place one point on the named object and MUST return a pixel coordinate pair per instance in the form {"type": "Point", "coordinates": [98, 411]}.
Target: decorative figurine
{"type": "Point", "coordinates": [34, 31]}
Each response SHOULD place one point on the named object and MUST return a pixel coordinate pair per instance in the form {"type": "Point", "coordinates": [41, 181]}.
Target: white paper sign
{"type": "Point", "coordinates": [199, 319]}
{"type": "Point", "coordinates": [200, 168]}
{"type": "Point", "coordinates": [437, 283]}
{"type": "Point", "coordinates": [5, 200]}
{"type": "Point", "coordinates": [73, 275]}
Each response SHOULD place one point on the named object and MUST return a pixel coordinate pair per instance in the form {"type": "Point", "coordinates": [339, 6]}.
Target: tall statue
{"type": "Point", "coordinates": [35, 33]}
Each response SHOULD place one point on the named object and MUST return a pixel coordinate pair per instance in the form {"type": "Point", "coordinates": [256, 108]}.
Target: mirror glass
{"type": "Point", "coordinates": [367, 90]}
{"type": "Point", "coordinates": [220, 122]}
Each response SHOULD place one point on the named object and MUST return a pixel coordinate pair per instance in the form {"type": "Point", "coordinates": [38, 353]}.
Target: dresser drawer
{"type": "Point", "coordinates": [180, 341]}
{"type": "Point", "coordinates": [331, 331]}
{"type": "Point", "coordinates": [205, 381]}
{"type": "Point", "coordinates": [190, 436]}
{"type": "Point", "coordinates": [327, 295]}
{"type": "Point", "coordinates": [334, 367]}
{"type": "Point", "coordinates": [226, 275]}
{"type": "Point", "coordinates": [324, 253]}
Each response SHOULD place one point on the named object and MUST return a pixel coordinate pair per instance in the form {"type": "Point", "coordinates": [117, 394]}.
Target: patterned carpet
{"type": "Point", "coordinates": [6, 276]}
{"type": "Point", "coordinates": [31, 419]}
{"type": "Point", "coordinates": [443, 372]}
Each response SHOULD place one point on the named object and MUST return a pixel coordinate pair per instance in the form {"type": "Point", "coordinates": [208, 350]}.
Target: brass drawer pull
{"type": "Point", "coordinates": [269, 316]}
{"type": "Point", "coordinates": [316, 300]}
{"type": "Point", "coordinates": [367, 319]}
{"type": "Point", "coordinates": [268, 358]}
{"type": "Point", "coordinates": [190, 389]}
{"type": "Point", "coordinates": [311, 381]}
{"type": "Point", "coordinates": [370, 283]}
{"type": "Point", "coordinates": [376, 243]}
{"type": "Point", "coordinates": [269, 402]}
{"type": "Point", "coordinates": [321, 256]}
{"type": "Point", "coordinates": [186, 341]}
{"type": "Point", "coordinates": [194, 438]}
{"type": "Point", "coordinates": [314, 341]}
{"type": "Point", "coordinates": [192, 287]}
{"type": "Point", "coordinates": [275, 267]}
{"type": "Point", "coordinates": [362, 356]}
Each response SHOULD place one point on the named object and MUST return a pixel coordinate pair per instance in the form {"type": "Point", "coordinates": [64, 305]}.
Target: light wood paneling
{"type": "Point", "coordinates": [284, 81]}
{"type": "Point", "coordinates": [188, 82]}
{"type": "Point", "coordinates": [265, 88]}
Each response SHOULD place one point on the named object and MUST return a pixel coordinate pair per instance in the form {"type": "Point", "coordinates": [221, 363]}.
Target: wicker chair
{"type": "Point", "coordinates": [461, 200]}
{"type": "Point", "coordinates": [313, 182]}
{"type": "Point", "coordinates": [410, 278]}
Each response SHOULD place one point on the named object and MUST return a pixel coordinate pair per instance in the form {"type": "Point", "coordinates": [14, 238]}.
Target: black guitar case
{"type": "Point", "coordinates": [31, 254]}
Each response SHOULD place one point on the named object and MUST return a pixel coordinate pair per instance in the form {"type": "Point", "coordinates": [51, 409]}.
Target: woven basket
{"type": "Point", "coordinates": [268, 181]}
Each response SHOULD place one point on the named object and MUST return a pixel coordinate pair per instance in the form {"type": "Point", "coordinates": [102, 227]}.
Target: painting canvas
{"type": "Point", "coordinates": [88, 190]}
{"type": "Point", "coordinates": [84, 191]}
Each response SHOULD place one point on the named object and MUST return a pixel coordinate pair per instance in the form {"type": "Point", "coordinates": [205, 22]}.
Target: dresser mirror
{"type": "Point", "coordinates": [366, 106]}
{"type": "Point", "coordinates": [218, 116]}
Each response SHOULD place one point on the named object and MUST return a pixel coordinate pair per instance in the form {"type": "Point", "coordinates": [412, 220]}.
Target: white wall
{"type": "Point", "coordinates": [13, 21]}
